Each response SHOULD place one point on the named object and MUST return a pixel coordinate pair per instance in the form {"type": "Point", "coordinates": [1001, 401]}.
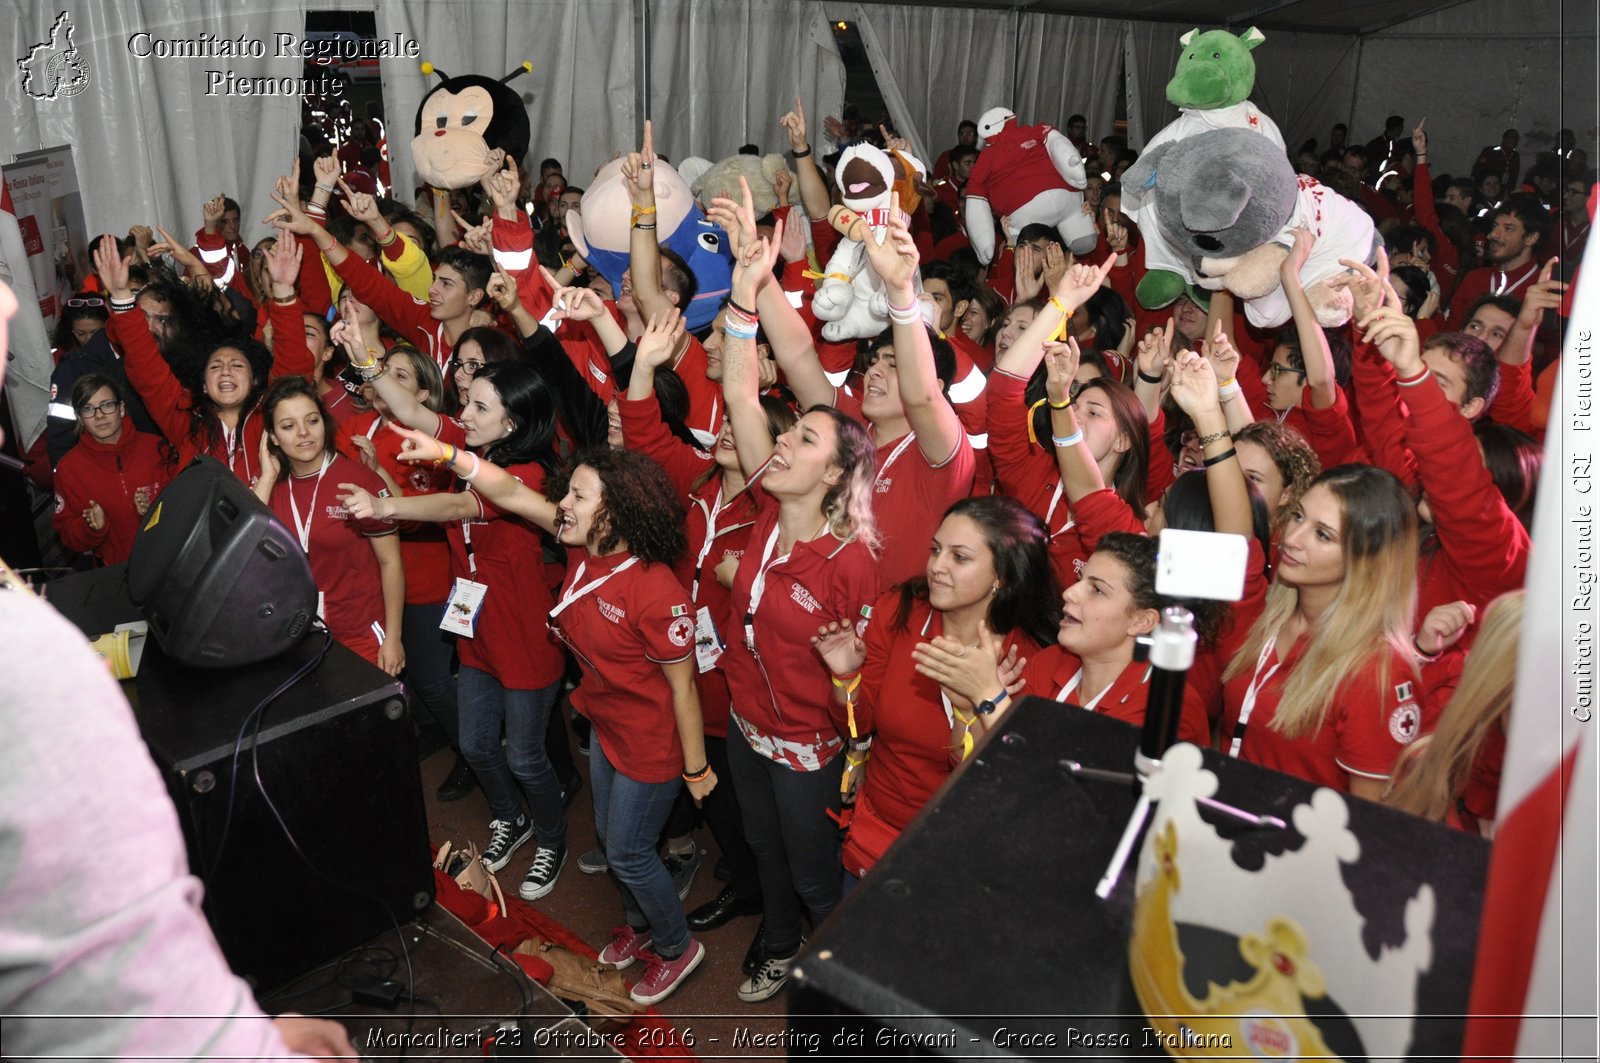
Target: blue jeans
{"type": "Point", "coordinates": [628, 817]}
{"type": "Point", "coordinates": [521, 768]}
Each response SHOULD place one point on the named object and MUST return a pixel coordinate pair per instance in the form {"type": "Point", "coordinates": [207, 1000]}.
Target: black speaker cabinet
{"type": "Point", "coordinates": [979, 933]}
{"type": "Point", "coordinates": [335, 754]}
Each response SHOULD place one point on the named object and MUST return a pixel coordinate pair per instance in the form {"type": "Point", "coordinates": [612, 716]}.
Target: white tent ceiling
{"type": "Point", "coordinates": [1347, 17]}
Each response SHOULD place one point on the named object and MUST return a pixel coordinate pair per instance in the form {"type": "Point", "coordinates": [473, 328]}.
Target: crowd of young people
{"type": "Point", "coordinates": [797, 582]}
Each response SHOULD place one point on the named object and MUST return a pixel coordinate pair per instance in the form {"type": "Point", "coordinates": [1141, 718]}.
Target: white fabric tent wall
{"type": "Point", "coordinates": [936, 66]}
{"type": "Point", "coordinates": [580, 96]}
{"type": "Point", "coordinates": [1067, 66]}
{"type": "Point", "coordinates": [148, 144]}
{"type": "Point", "coordinates": [1474, 71]}
{"type": "Point", "coordinates": [722, 72]}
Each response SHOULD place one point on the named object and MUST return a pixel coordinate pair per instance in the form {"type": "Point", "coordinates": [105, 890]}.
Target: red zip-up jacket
{"type": "Point", "coordinates": [110, 474]}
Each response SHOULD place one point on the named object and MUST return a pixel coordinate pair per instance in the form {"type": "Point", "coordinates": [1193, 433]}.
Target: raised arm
{"type": "Point", "coordinates": [931, 416]}
{"type": "Point", "coordinates": [1194, 389]}
{"type": "Point", "coordinates": [1224, 359]}
{"type": "Point", "coordinates": [786, 330]}
{"type": "Point", "coordinates": [486, 479]}
{"type": "Point", "coordinates": [1073, 289]}
{"type": "Point", "coordinates": [741, 386]}
{"type": "Point", "coordinates": [813, 189]}
{"type": "Point", "coordinates": [644, 250]}
{"type": "Point", "coordinates": [402, 402]}
{"type": "Point", "coordinates": [1313, 343]}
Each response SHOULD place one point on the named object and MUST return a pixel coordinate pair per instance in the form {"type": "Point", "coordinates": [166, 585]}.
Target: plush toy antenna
{"type": "Point", "coordinates": [525, 68]}
{"type": "Point", "coordinates": [429, 68]}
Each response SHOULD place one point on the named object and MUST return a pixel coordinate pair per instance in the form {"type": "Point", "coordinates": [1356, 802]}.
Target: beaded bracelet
{"type": "Point", "coordinates": [1068, 441]}
{"type": "Point", "coordinates": [122, 306]}
{"type": "Point", "coordinates": [1206, 440]}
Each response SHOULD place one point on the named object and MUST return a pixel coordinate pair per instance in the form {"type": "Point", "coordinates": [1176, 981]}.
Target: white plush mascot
{"type": "Point", "coordinates": [851, 300]}
{"type": "Point", "coordinates": [1027, 174]}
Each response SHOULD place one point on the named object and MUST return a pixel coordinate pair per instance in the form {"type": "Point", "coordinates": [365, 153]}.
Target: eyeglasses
{"type": "Point", "coordinates": [86, 301]}
{"type": "Point", "coordinates": [1278, 370]}
{"type": "Point", "coordinates": [104, 409]}
{"type": "Point", "coordinates": [469, 368]}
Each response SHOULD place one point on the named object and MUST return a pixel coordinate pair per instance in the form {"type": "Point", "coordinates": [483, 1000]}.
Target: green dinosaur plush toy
{"type": "Point", "coordinates": [1211, 87]}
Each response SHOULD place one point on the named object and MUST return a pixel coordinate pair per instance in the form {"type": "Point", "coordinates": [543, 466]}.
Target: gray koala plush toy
{"type": "Point", "coordinates": [1228, 201]}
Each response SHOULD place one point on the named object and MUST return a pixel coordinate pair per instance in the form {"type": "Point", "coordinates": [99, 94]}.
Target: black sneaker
{"type": "Point", "coordinates": [459, 783]}
{"type": "Point", "coordinates": [505, 837]}
{"type": "Point", "coordinates": [542, 875]}
{"type": "Point", "coordinates": [682, 866]}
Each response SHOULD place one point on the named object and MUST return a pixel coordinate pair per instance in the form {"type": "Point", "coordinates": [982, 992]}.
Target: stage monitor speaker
{"type": "Point", "coordinates": [222, 582]}
{"type": "Point", "coordinates": [337, 757]}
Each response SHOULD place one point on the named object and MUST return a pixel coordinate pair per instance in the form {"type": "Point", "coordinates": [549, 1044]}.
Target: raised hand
{"type": "Point", "coordinates": [1369, 287]}
{"type": "Point", "coordinates": [1154, 353]}
{"type": "Point", "coordinates": [1056, 264]}
{"type": "Point", "coordinates": [638, 170]}
{"type": "Point", "coordinates": [836, 643]}
{"type": "Point", "coordinates": [112, 268]}
{"type": "Point", "coordinates": [142, 236]}
{"type": "Point", "coordinates": [1304, 240]}
{"type": "Point", "coordinates": [362, 207]}
{"type": "Point", "coordinates": [1419, 138]}
{"type": "Point", "coordinates": [835, 130]}
{"type": "Point", "coordinates": [1117, 236]}
{"type": "Point", "coordinates": [782, 183]}
{"type": "Point", "coordinates": [283, 267]}
{"type": "Point", "coordinates": [502, 288]}
{"type": "Point", "coordinates": [1395, 335]}
{"type": "Point", "coordinates": [476, 238]}
{"type": "Point", "coordinates": [416, 446]}
{"type": "Point", "coordinates": [891, 142]}
{"type": "Point", "coordinates": [1061, 369]}
{"type": "Point", "coordinates": [211, 211]}
{"type": "Point", "coordinates": [1223, 355]}
{"type": "Point", "coordinates": [753, 270]}
{"type": "Point", "coordinates": [572, 304]}
{"type": "Point", "coordinates": [895, 259]}
{"type": "Point", "coordinates": [1545, 294]}
{"type": "Point", "coordinates": [325, 168]}
{"type": "Point", "coordinates": [502, 185]}
{"type": "Point", "coordinates": [289, 217]}
{"type": "Point", "coordinates": [660, 339]}
{"type": "Point", "coordinates": [1080, 282]}
{"type": "Point", "coordinates": [171, 245]}
{"type": "Point", "coordinates": [794, 125]}
{"type": "Point", "coordinates": [793, 245]}
{"type": "Point", "coordinates": [1194, 385]}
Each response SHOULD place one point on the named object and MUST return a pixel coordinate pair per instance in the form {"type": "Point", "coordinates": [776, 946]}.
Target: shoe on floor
{"type": "Point", "coordinates": [726, 906]}
{"type": "Point", "coordinates": [682, 866]}
{"type": "Point", "coordinates": [459, 783]}
{"type": "Point", "coordinates": [624, 947]}
{"type": "Point", "coordinates": [662, 976]}
{"type": "Point", "coordinates": [594, 862]}
{"type": "Point", "coordinates": [756, 954]}
{"type": "Point", "coordinates": [506, 837]}
{"type": "Point", "coordinates": [542, 874]}
{"type": "Point", "coordinates": [768, 979]}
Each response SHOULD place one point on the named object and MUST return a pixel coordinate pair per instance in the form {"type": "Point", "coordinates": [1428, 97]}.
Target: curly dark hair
{"type": "Point", "coordinates": [1138, 553]}
{"type": "Point", "coordinates": [638, 506]}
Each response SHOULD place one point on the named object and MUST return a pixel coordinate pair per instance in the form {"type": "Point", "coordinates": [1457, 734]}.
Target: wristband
{"type": "Point", "coordinates": [1066, 315]}
{"type": "Point", "coordinates": [738, 332]}
{"type": "Point", "coordinates": [447, 458]}
{"type": "Point", "coordinates": [1218, 459]}
{"type": "Point", "coordinates": [1424, 654]}
{"type": "Point", "coordinates": [288, 300]}
{"type": "Point", "coordinates": [906, 317]}
{"type": "Point", "coordinates": [1229, 390]}
{"type": "Point", "coordinates": [315, 209]}
{"type": "Point", "coordinates": [696, 776]}
{"type": "Point", "coordinates": [847, 683]}
{"type": "Point", "coordinates": [393, 236]}
{"type": "Point", "coordinates": [121, 305]}
{"type": "Point", "coordinates": [1206, 440]}
{"type": "Point", "coordinates": [1147, 378]}
{"type": "Point", "coordinates": [1414, 381]}
{"type": "Point", "coordinates": [644, 225]}
{"type": "Point", "coordinates": [325, 187]}
{"type": "Point", "coordinates": [1068, 441]}
{"type": "Point", "coordinates": [801, 154]}
{"type": "Point", "coordinates": [1059, 405]}
{"type": "Point", "coordinates": [477, 466]}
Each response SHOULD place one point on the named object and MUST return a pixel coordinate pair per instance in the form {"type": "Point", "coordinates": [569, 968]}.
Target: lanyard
{"type": "Point", "coordinates": [1248, 706]}
{"type": "Point", "coordinates": [578, 592]}
{"type": "Point", "coordinates": [759, 584]}
{"type": "Point", "coordinates": [303, 527]}
{"type": "Point", "coordinates": [466, 536]}
{"type": "Point", "coordinates": [1503, 286]}
{"type": "Point", "coordinates": [711, 535]}
{"type": "Point", "coordinates": [234, 438]}
{"type": "Point", "coordinates": [1077, 679]}
{"type": "Point", "coordinates": [1050, 511]}
{"type": "Point", "coordinates": [894, 455]}
{"type": "Point", "coordinates": [372, 430]}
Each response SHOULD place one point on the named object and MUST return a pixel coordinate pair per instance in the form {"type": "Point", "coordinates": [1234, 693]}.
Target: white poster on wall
{"type": "Point", "coordinates": [49, 210]}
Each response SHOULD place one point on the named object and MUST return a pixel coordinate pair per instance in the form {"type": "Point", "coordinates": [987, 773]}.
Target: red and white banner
{"type": "Point", "coordinates": [29, 366]}
{"type": "Point", "coordinates": [1534, 984]}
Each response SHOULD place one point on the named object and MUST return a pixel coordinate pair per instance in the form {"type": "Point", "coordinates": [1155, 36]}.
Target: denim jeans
{"type": "Point", "coordinates": [521, 768]}
{"type": "Point", "coordinates": [428, 655]}
{"type": "Point", "coordinates": [628, 817]}
{"type": "Point", "coordinates": [796, 843]}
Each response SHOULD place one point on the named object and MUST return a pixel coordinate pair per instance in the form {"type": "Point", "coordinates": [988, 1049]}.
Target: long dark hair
{"type": "Point", "coordinates": [63, 340]}
{"type": "Point", "coordinates": [637, 503]}
{"type": "Point", "coordinates": [531, 408]}
{"type": "Point", "coordinates": [1029, 598]}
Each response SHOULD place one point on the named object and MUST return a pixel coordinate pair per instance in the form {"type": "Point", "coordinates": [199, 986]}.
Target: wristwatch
{"type": "Point", "coordinates": [988, 705]}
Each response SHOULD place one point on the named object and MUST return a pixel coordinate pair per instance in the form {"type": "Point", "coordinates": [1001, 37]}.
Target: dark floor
{"type": "Point", "coordinates": [707, 1006]}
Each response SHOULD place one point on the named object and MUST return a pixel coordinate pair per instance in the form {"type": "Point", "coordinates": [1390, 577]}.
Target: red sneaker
{"type": "Point", "coordinates": [661, 976]}
{"type": "Point", "coordinates": [624, 947]}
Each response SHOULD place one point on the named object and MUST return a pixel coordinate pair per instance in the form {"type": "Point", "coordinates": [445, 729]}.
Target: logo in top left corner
{"type": "Point", "coordinates": [55, 68]}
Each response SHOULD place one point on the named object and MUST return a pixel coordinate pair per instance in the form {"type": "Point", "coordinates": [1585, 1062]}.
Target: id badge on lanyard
{"type": "Point", "coordinates": [465, 603]}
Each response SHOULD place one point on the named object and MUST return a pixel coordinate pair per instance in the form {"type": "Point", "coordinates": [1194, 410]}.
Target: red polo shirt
{"type": "Point", "coordinates": [622, 631]}
{"type": "Point", "coordinates": [1050, 671]}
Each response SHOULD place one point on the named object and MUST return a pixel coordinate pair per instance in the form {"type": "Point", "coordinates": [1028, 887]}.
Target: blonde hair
{"type": "Point", "coordinates": [1434, 771]}
{"type": "Point", "coordinates": [1372, 612]}
{"type": "Point", "coordinates": [848, 503]}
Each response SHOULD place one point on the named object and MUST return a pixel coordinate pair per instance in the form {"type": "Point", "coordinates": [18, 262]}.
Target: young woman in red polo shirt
{"type": "Point", "coordinates": [989, 595]}
{"type": "Point", "coordinates": [511, 669]}
{"type": "Point", "coordinates": [355, 559]}
{"type": "Point", "coordinates": [810, 561]}
{"type": "Point", "coordinates": [630, 624]}
{"type": "Point", "coordinates": [105, 484]}
{"type": "Point", "coordinates": [1325, 686]}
